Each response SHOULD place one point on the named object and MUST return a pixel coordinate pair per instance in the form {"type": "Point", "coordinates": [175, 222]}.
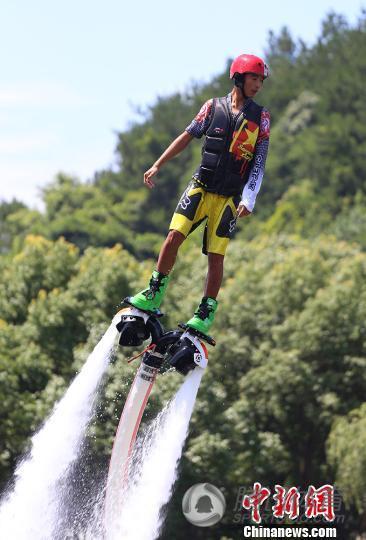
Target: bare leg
{"type": "Point", "coordinates": [169, 250]}
{"type": "Point", "coordinates": [214, 274]}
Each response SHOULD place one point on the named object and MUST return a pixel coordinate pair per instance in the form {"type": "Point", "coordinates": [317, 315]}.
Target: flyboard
{"type": "Point", "coordinates": [183, 349]}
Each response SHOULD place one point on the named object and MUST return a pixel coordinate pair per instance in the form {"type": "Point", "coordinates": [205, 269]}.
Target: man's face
{"type": "Point", "coordinates": [252, 84]}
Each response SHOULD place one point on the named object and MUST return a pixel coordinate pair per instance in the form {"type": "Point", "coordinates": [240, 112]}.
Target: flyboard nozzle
{"type": "Point", "coordinates": [136, 326]}
{"type": "Point", "coordinates": [132, 329]}
{"type": "Point", "coordinates": [188, 353]}
{"type": "Point", "coordinates": [182, 350]}
{"type": "Point", "coordinates": [155, 358]}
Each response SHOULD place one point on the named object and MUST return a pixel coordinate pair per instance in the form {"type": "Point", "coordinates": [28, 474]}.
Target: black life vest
{"type": "Point", "coordinates": [229, 148]}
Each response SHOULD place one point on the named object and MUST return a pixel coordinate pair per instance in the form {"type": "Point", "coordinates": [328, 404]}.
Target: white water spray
{"type": "Point", "coordinates": [154, 470]}
{"type": "Point", "coordinates": [32, 510]}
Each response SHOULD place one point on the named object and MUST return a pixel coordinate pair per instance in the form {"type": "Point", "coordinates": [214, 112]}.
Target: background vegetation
{"type": "Point", "coordinates": [283, 400]}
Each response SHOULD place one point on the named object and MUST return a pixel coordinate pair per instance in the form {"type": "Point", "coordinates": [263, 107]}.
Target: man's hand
{"type": "Point", "coordinates": [242, 210]}
{"type": "Point", "coordinates": [173, 149]}
{"type": "Point", "coordinates": [148, 175]}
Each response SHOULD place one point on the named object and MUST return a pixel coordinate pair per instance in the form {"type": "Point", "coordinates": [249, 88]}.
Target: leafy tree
{"type": "Point", "coordinates": [346, 452]}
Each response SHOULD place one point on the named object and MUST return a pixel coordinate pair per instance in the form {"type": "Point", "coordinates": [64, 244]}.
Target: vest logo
{"type": "Point", "coordinates": [219, 131]}
{"type": "Point", "coordinates": [245, 154]}
{"type": "Point", "coordinates": [244, 140]}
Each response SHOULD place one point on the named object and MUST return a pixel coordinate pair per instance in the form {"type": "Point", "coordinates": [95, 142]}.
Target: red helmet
{"type": "Point", "coordinates": [248, 63]}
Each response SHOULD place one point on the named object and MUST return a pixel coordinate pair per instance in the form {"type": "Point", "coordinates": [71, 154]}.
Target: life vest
{"type": "Point", "coordinates": [228, 148]}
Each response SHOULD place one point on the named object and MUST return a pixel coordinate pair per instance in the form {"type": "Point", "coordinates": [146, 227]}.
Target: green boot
{"type": "Point", "coordinates": [204, 316]}
{"type": "Point", "coordinates": [150, 299]}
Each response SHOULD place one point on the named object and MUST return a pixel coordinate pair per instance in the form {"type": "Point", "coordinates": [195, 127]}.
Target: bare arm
{"type": "Point", "coordinates": [173, 149]}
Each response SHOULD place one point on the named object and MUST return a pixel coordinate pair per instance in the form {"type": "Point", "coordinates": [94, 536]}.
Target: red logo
{"type": "Point", "coordinates": [318, 502]}
{"type": "Point", "coordinates": [255, 501]}
{"type": "Point", "coordinates": [287, 502]}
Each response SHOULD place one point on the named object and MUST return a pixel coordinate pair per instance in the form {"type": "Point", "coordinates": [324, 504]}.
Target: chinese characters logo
{"type": "Point", "coordinates": [318, 502]}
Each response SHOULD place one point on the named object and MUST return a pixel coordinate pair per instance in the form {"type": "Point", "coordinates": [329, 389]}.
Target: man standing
{"type": "Point", "coordinates": [224, 186]}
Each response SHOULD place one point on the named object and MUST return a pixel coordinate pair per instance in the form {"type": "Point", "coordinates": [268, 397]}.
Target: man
{"type": "Point", "coordinates": [224, 186]}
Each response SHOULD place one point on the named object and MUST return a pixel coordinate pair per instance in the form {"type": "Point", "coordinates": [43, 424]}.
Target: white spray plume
{"type": "Point", "coordinates": [31, 510]}
{"type": "Point", "coordinates": [155, 462]}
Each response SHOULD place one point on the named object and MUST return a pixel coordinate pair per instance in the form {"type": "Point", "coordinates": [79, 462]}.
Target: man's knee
{"type": "Point", "coordinates": [175, 238]}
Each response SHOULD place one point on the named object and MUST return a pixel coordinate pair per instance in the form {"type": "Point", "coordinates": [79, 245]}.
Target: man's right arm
{"type": "Point", "coordinates": [173, 149]}
{"type": "Point", "coordinates": [196, 129]}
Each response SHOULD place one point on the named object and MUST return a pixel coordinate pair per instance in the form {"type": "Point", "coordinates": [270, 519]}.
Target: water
{"type": "Point", "coordinates": [47, 479]}
{"type": "Point", "coordinates": [31, 511]}
{"type": "Point", "coordinates": [154, 469]}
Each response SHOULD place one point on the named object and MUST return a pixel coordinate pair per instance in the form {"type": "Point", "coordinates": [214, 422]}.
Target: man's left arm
{"type": "Point", "coordinates": [254, 183]}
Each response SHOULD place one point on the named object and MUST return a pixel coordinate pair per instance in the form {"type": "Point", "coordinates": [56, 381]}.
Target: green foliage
{"type": "Point", "coordinates": [290, 357]}
{"type": "Point", "coordinates": [287, 302]}
{"type": "Point", "coordinates": [35, 268]}
{"type": "Point", "coordinates": [15, 220]}
{"type": "Point", "coordinates": [350, 223]}
{"type": "Point", "coordinates": [50, 301]}
{"type": "Point", "coordinates": [346, 452]}
{"type": "Point", "coordinates": [7, 209]}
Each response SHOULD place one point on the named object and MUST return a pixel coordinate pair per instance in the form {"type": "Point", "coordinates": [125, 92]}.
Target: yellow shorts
{"type": "Point", "coordinates": [196, 206]}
